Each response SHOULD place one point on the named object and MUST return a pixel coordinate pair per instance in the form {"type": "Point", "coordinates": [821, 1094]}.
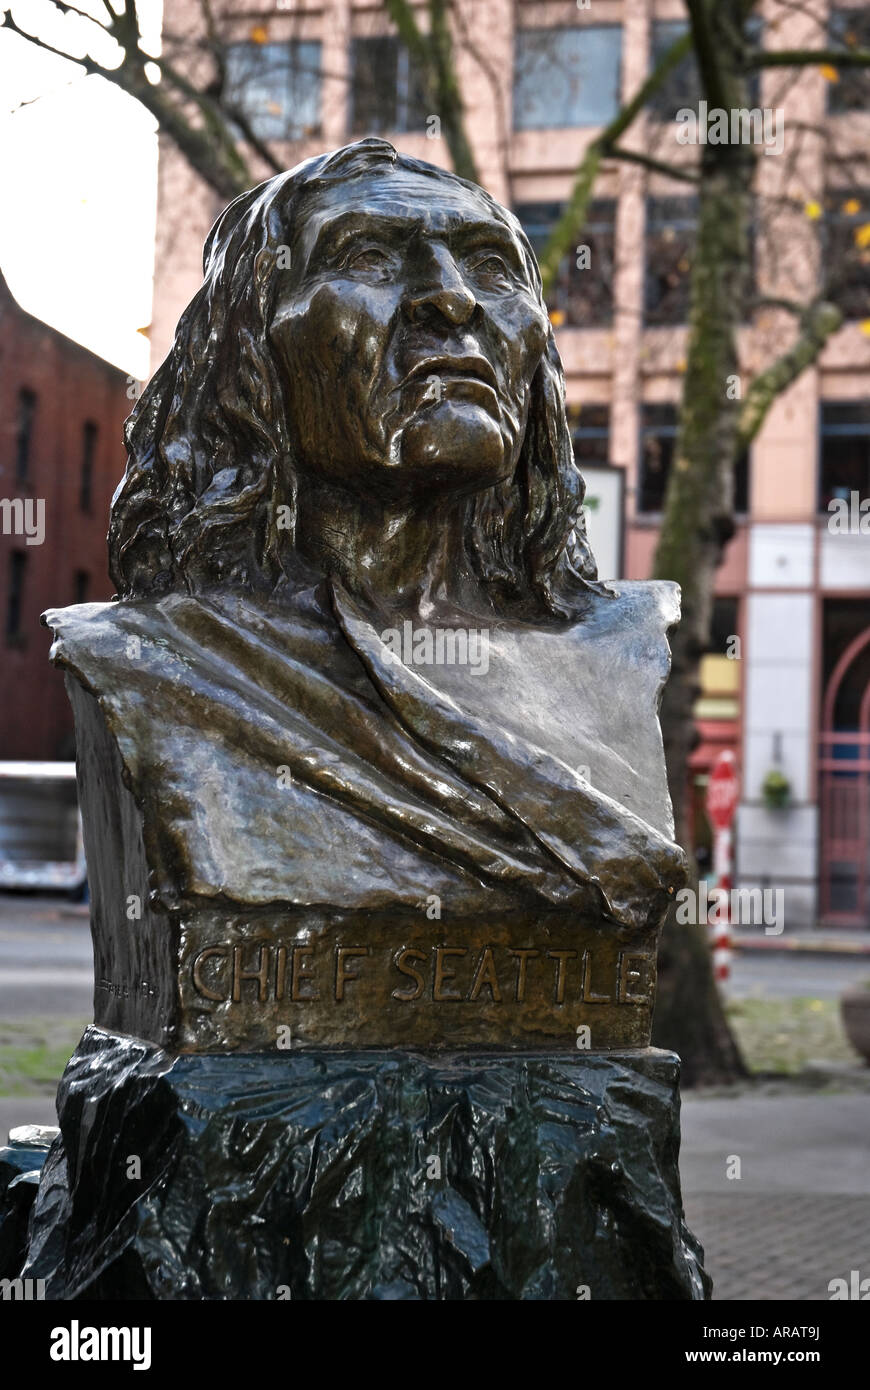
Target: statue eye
{"type": "Point", "coordinates": [491, 267]}
{"type": "Point", "coordinates": [369, 258]}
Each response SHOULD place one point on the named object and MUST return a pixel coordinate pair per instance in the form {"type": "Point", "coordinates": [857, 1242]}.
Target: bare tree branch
{"type": "Point", "coordinates": [807, 58]}
{"type": "Point", "coordinates": [574, 215]}
{"type": "Point", "coordinates": [655, 166]}
{"type": "Point", "coordinates": [212, 152]}
{"type": "Point", "coordinates": [818, 322]}
{"type": "Point", "coordinates": [433, 53]}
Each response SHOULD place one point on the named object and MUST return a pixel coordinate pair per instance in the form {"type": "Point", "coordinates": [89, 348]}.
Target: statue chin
{"type": "Point", "coordinates": [455, 444]}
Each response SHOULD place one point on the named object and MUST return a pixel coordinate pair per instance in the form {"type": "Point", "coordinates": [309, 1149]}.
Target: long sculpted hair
{"type": "Point", "coordinates": [211, 448]}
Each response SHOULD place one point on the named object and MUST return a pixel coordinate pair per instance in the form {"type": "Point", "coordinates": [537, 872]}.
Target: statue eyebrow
{"type": "Point", "coordinates": [348, 226]}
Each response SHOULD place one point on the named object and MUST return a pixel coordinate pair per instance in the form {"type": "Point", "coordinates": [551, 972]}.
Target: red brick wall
{"type": "Point", "coordinates": [72, 386]}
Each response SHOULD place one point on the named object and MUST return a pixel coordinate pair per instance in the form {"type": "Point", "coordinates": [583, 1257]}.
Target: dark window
{"type": "Point", "coordinates": [658, 441]}
{"type": "Point", "coordinates": [846, 252]}
{"type": "Point", "coordinates": [723, 624]}
{"type": "Point", "coordinates": [89, 448]}
{"type": "Point", "coordinates": [843, 786]}
{"type": "Point", "coordinates": [844, 619]}
{"type": "Point", "coordinates": [81, 585]}
{"type": "Point", "coordinates": [849, 28]}
{"type": "Point", "coordinates": [590, 433]}
{"type": "Point", "coordinates": [582, 295]}
{"type": "Point", "coordinates": [670, 241]}
{"type": "Point", "coordinates": [17, 568]}
{"type": "Point", "coordinates": [566, 77]}
{"type": "Point", "coordinates": [741, 484]}
{"type": "Point", "coordinates": [24, 433]}
{"type": "Point", "coordinates": [682, 86]}
{"type": "Point", "coordinates": [276, 86]}
{"type": "Point", "coordinates": [388, 91]}
{"type": "Point", "coordinates": [845, 451]}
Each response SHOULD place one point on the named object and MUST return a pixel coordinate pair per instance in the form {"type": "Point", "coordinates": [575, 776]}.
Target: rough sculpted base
{"type": "Point", "coordinates": [364, 1176]}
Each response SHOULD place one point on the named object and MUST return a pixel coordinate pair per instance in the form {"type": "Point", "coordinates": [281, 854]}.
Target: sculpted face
{"type": "Point", "coordinates": [409, 335]}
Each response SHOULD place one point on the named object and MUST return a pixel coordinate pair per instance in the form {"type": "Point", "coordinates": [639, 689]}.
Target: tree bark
{"type": "Point", "coordinates": [699, 515]}
{"type": "Point", "coordinates": [433, 53]}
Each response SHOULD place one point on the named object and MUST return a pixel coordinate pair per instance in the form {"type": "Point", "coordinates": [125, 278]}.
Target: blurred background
{"type": "Point", "coordinates": [711, 302]}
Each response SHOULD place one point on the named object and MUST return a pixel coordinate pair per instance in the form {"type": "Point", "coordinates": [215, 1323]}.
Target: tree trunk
{"type": "Point", "coordinates": [698, 516]}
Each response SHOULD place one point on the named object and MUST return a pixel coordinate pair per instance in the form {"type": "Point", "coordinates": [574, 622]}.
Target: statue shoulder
{"type": "Point", "coordinates": [105, 644]}
{"type": "Point", "coordinates": [649, 601]}
{"type": "Point", "coordinates": [633, 610]}
{"type": "Point", "coordinates": [81, 618]}
{"type": "Point", "coordinates": [130, 645]}
{"type": "Point", "coordinates": [100, 627]}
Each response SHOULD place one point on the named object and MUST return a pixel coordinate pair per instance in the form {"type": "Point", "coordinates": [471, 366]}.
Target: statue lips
{"type": "Point", "coordinates": [472, 374]}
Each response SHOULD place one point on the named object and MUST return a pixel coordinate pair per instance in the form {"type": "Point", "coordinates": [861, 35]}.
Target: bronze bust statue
{"type": "Point", "coordinates": [374, 798]}
{"type": "Point", "coordinates": [361, 694]}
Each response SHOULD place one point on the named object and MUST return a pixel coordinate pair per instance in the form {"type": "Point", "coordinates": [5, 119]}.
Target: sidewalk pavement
{"type": "Point", "coordinates": [798, 1215]}
{"type": "Point", "coordinates": [25, 1110]}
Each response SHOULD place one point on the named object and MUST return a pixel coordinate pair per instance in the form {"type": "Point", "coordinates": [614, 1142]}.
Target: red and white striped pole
{"type": "Point", "coordinates": [723, 790]}
{"type": "Point", "coordinates": [721, 913]}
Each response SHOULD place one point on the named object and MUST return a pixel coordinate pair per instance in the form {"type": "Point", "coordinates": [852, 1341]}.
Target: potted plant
{"type": "Point", "coordinates": [855, 1012]}
{"type": "Point", "coordinates": [776, 790]}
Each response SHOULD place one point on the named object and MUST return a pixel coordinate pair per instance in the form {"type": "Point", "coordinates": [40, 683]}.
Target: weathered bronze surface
{"type": "Point", "coordinates": [365, 1176]}
{"type": "Point", "coordinates": [366, 751]}
{"type": "Point", "coordinates": [374, 798]}
{"type": "Point", "coordinates": [21, 1162]}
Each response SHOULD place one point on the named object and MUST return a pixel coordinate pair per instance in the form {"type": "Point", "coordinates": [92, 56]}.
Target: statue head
{"type": "Point", "coordinates": [371, 323]}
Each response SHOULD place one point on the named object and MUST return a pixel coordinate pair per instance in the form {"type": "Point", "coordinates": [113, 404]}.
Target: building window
{"type": "Point", "coordinates": [566, 77]}
{"type": "Point", "coordinates": [741, 484]}
{"type": "Point", "coordinates": [849, 28]}
{"type": "Point", "coordinates": [846, 252]}
{"type": "Point", "coordinates": [590, 434]}
{"type": "Point", "coordinates": [17, 570]}
{"type": "Point", "coordinates": [81, 586]}
{"type": "Point", "coordinates": [844, 451]}
{"type": "Point", "coordinates": [276, 87]}
{"type": "Point", "coordinates": [670, 241]}
{"type": "Point", "coordinates": [89, 448]}
{"type": "Point", "coordinates": [682, 86]}
{"type": "Point", "coordinates": [388, 92]}
{"type": "Point", "coordinates": [582, 294]}
{"type": "Point", "coordinates": [658, 442]}
{"type": "Point", "coordinates": [24, 433]}
{"type": "Point", "coordinates": [843, 620]}
{"type": "Point", "coordinates": [723, 624]}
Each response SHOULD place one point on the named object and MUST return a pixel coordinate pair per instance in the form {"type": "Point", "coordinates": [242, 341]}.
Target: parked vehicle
{"type": "Point", "coordinates": [40, 828]}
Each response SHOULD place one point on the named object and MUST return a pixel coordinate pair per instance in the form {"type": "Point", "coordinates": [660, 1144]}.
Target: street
{"type": "Point", "coordinates": [779, 975]}
{"type": "Point", "coordinates": [46, 961]}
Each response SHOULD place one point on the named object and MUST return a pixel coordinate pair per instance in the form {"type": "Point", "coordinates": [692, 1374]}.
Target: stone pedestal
{"type": "Point", "coordinates": [363, 1175]}
{"type": "Point", "coordinates": [21, 1161]}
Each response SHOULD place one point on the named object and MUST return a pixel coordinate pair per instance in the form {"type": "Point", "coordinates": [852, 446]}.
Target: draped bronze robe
{"type": "Point", "coordinates": [279, 754]}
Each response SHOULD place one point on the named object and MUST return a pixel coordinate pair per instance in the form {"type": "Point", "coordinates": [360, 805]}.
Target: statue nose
{"type": "Point", "coordinates": [455, 303]}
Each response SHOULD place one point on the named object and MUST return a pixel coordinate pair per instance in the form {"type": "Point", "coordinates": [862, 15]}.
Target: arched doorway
{"type": "Point", "coordinates": [844, 788]}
